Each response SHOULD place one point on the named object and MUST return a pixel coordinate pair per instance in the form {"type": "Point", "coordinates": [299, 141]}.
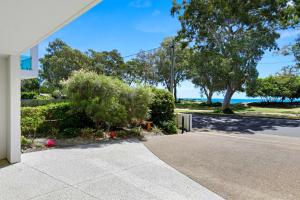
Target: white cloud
{"type": "Point", "coordinates": [140, 3]}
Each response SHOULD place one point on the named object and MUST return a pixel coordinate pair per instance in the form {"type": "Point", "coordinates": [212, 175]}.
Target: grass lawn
{"type": "Point", "coordinates": [239, 109]}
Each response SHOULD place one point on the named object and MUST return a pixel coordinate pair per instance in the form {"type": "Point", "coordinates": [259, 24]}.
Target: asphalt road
{"type": "Point", "coordinates": [235, 166]}
{"type": "Point", "coordinates": [247, 125]}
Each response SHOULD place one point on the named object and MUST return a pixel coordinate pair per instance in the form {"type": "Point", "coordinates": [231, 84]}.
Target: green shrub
{"type": "Point", "coordinates": [29, 95]}
{"type": "Point", "coordinates": [42, 97]}
{"type": "Point", "coordinates": [214, 104]}
{"type": "Point", "coordinates": [99, 133]}
{"type": "Point", "coordinates": [39, 102]}
{"type": "Point", "coordinates": [122, 134]}
{"type": "Point", "coordinates": [70, 133]}
{"type": "Point", "coordinates": [134, 132]}
{"type": "Point", "coordinates": [25, 143]}
{"type": "Point", "coordinates": [228, 111]}
{"type": "Point", "coordinates": [57, 94]}
{"type": "Point", "coordinates": [136, 101]}
{"type": "Point", "coordinates": [109, 102]}
{"type": "Point", "coordinates": [218, 110]}
{"type": "Point", "coordinates": [162, 110]}
{"type": "Point", "coordinates": [87, 132]}
{"type": "Point", "coordinates": [31, 120]}
{"type": "Point", "coordinates": [169, 127]}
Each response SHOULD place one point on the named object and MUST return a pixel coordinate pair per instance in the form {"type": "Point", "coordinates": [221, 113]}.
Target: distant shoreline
{"type": "Point", "coordinates": [233, 101]}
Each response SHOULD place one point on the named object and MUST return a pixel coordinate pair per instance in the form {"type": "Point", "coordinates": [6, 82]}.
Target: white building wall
{"type": "Point", "coordinates": [10, 127]}
{"type": "Point", "coordinates": [13, 137]}
{"type": "Point", "coordinates": [3, 103]}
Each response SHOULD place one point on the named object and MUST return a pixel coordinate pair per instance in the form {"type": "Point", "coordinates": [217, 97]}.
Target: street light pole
{"type": "Point", "coordinates": [172, 67]}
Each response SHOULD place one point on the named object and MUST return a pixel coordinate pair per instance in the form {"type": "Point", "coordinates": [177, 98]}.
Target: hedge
{"type": "Point", "coordinates": [52, 119]}
{"type": "Point", "coordinates": [29, 95]}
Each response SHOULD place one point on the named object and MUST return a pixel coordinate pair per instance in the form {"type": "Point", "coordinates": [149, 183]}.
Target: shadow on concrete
{"type": "Point", "coordinates": [3, 163]}
{"type": "Point", "coordinates": [246, 125]}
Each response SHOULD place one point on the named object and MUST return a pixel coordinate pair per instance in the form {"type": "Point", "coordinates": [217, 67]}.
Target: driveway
{"type": "Point", "coordinates": [119, 170]}
{"type": "Point", "coordinates": [235, 166]}
{"type": "Point", "coordinates": [247, 125]}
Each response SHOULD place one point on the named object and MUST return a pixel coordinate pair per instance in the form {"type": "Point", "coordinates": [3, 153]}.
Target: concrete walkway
{"type": "Point", "coordinates": [124, 170]}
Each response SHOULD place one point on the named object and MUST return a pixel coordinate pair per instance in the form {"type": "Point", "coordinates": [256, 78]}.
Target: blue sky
{"type": "Point", "coordinates": [132, 25]}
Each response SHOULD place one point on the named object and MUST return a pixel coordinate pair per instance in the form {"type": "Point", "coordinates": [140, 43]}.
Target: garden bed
{"type": "Point", "coordinates": [40, 144]}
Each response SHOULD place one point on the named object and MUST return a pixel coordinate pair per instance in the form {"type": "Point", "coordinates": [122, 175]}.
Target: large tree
{"type": "Point", "coordinates": [240, 31]}
{"type": "Point", "coordinates": [163, 61]}
{"type": "Point", "coordinates": [142, 69]}
{"type": "Point", "coordinates": [60, 61]}
{"type": "Point", "coordinates": [205, 71]}
{"type": "Point", "coordinates": [109, 63]}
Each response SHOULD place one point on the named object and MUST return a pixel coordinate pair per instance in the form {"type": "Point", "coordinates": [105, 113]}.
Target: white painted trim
{"type": "Point", "coordinates": [79, 13]}
{"type": "Point", "coordinates": [34, 72]}
{"type": "Point", "coordinates": [14, 110]}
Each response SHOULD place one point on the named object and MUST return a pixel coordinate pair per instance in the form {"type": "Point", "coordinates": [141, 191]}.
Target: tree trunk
{"type": "Point", "coordinates": [209, 97]}
{"type": "Point", "coordinates": [175, 92]}
{"type": "Point", "coordinates": [227, 98]}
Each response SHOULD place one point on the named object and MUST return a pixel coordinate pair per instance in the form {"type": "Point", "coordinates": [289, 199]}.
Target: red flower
{"type": "Point", "coordinates": [50, 143]}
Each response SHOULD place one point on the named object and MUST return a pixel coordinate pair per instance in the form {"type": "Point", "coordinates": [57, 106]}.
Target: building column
{"type": "Point", "coordinates": [3, 104]}
{"type": "Point", "coordinates": [13, 147]}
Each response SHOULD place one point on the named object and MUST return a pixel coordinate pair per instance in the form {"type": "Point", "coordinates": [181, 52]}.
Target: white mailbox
{"type": "Point", "coordinates": [184, 120]}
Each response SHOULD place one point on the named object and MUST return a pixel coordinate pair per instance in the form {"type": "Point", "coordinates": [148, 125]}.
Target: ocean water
{"type": "Point", "coordinates": [233, 101]}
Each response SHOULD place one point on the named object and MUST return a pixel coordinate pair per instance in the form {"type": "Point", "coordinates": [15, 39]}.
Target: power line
{"type": "Point", "coordinates": [296, 26]}
{"type": "Point", "coordinates": [142, 51]}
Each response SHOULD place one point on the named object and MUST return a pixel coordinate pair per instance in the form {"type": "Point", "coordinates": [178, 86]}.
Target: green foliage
{"type": "Point", "coordinates": [153, 67]}
{"type": "Point", "coordinates": [142, 69]}
{"type": "Point", "coordinates": [218, 110]}
{"type": "Point", "coordinates": [37, 102]}
{"type": "Point", "coordinates": [214, 104]}
{"type": "Point", "coordinates": [99, 133]}
{"type": "Point", "coordinates": [97, 96]}
{"type": "Point", "coordinates": [136, 101]}
{"type": "Point", "coordinates": [59, 62]}
{"type": "Point", "coordinates": [30, 85]}
{"type": "Point", "coordinates": [70, 133]}
{"type": "Point", "coordinates": [29, 95]}
{"type": "Point", "coordinates": [106, 100]}
{"type": "Point", "coordinates": [31, 120]}
{"type": "Point", "coordinates": [87, 132]}
{"type": "Point", "coordinates": [205, 72]}
{"type": "Point", "coordinates": [227, 111]}
{"type": "Point", "coordinates": [239, 33]}
{"type": "Point", "coordinates": [109, 63]}
{"type": "Point", "coordinates": [273, 88]}
{"type": "Point", "coordinates": [162, 109]}
{"type": "Point", "coordinates": [50, 120]}
{"type": "Point", "coordinates": [25, 143]}
{"type": "Point", "coordinates": [134, 132]}
{"type": "Point", "coordinates": [163, 62]}
{"type": "Point", "coordinates": [169, 127]}
{"type": "Point", "coordinates": [197, 105]}
{"type": "Point", "coordinates": [57, 94]}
